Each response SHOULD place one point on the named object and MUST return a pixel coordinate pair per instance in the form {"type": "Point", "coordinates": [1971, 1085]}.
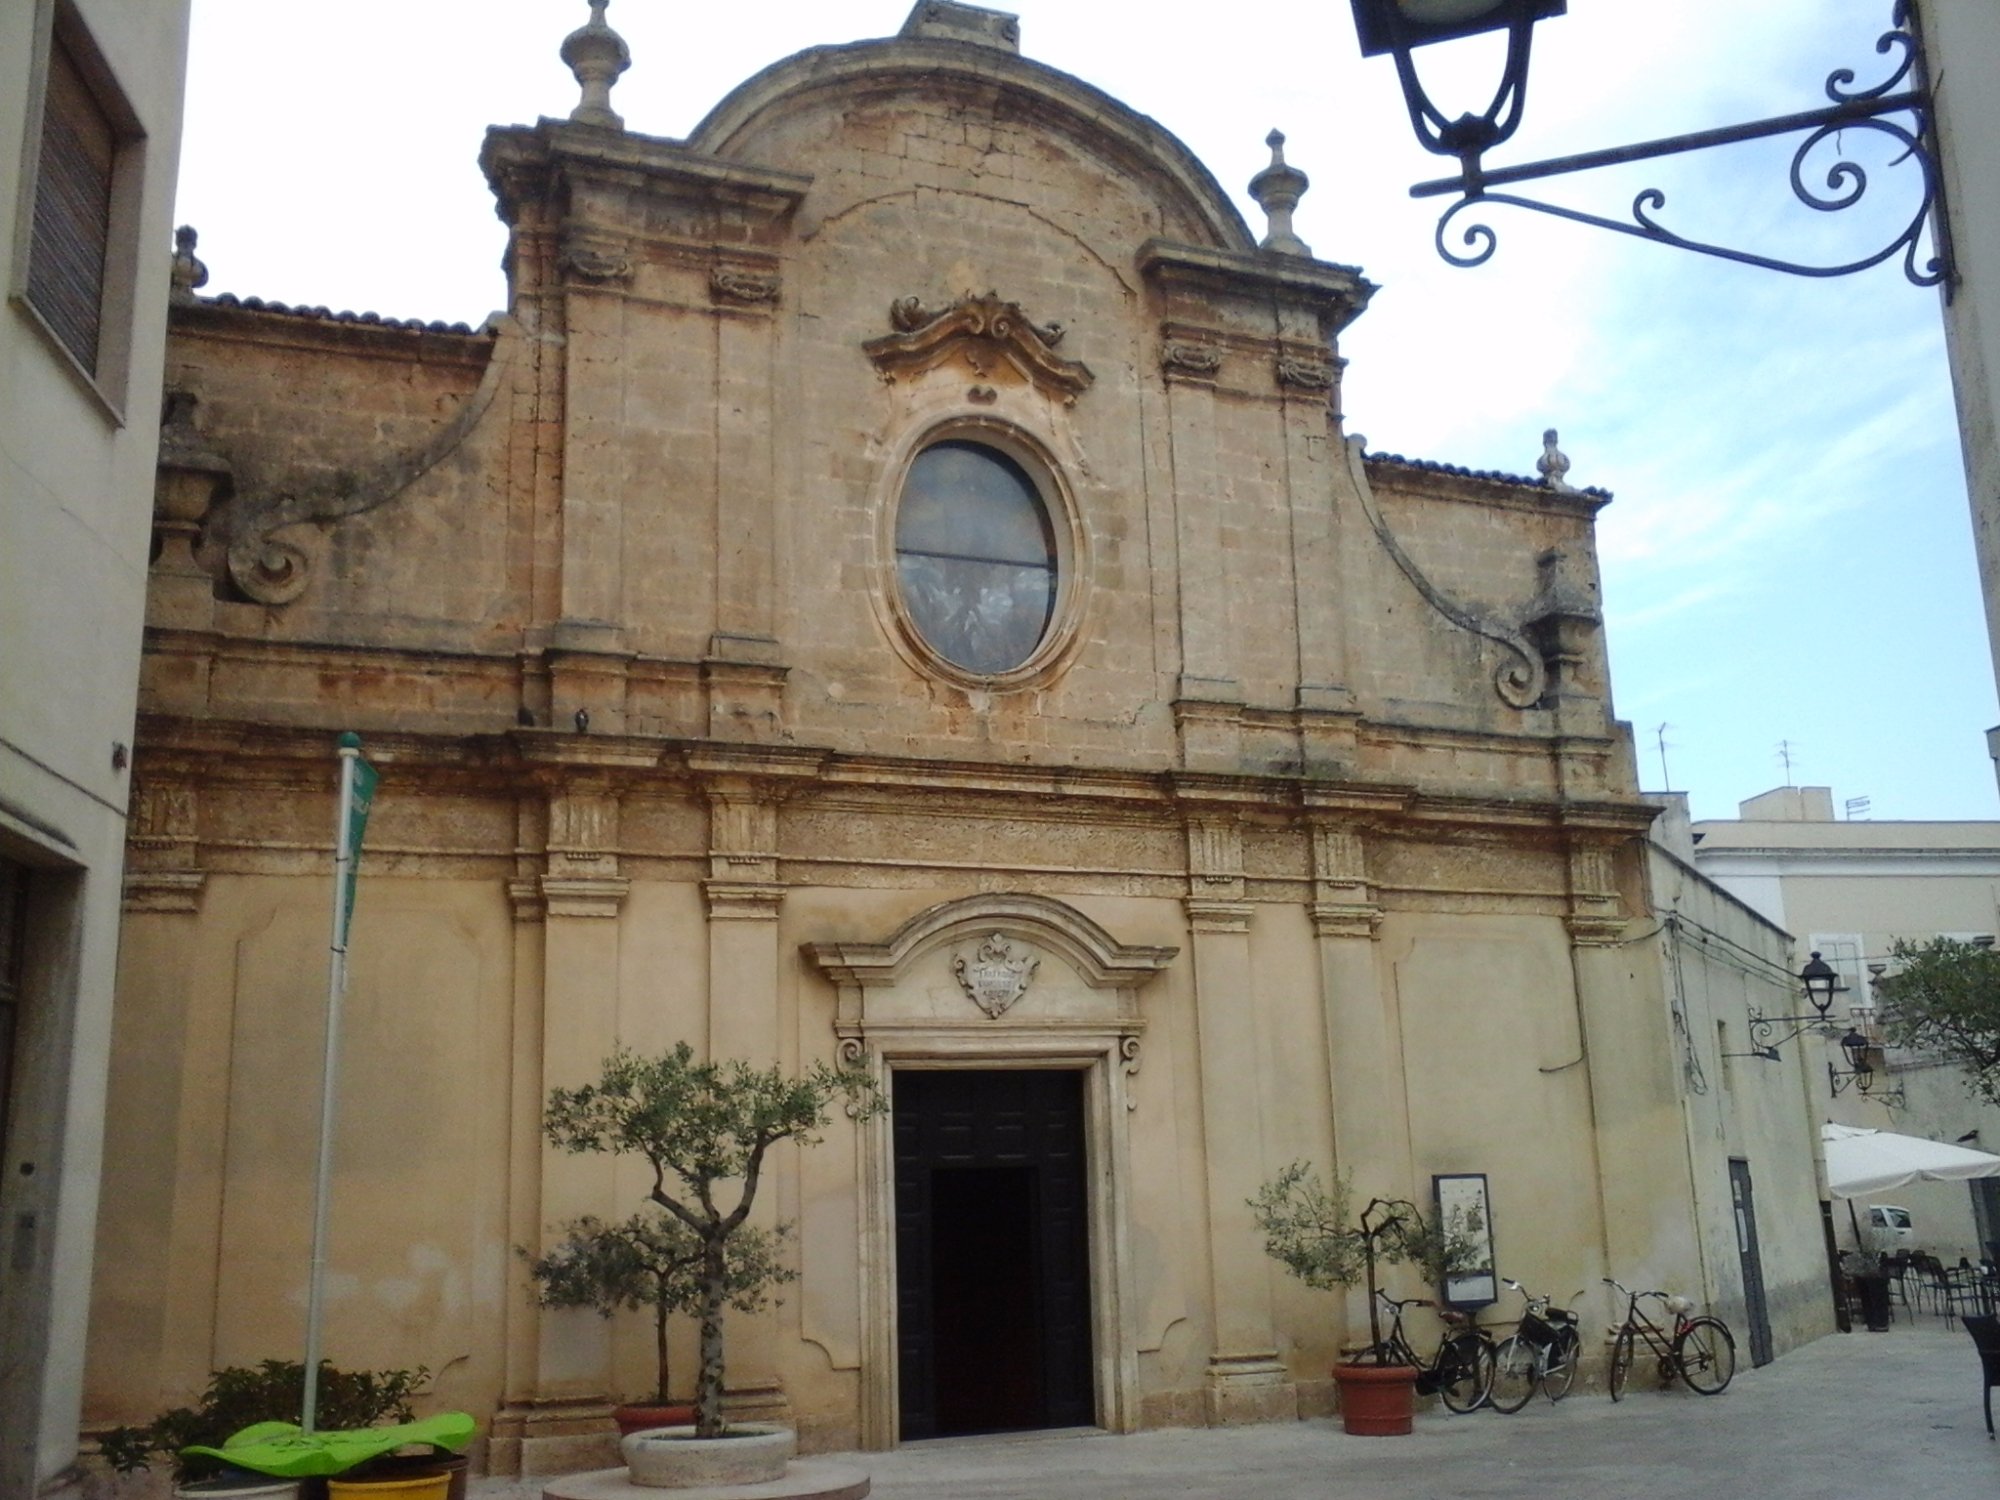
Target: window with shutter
{"type": "Point", "coordinates": [72, 224]}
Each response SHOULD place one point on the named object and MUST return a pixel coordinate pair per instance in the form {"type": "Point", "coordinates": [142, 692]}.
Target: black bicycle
{"type": "Point", "coordinates": [1460, 1372]}
{"type": "Point", "coordinates": [1700, 1351]}
{"type": "Point", "coordinates": [1543, 1350]}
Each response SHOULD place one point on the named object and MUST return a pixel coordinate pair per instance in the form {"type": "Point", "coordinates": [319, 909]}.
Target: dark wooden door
{"type": "Point", "coordinates": [992, 1252]}
{"type": "Point", "coordinates": [1745, 1205]}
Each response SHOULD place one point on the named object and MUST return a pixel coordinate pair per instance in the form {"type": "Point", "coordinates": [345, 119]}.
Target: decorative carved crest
{"type": "Point", "coordinates": [997, 974]}
{"type": "Point", "coordinates": [982, 330]}
{"type": "Point", "coordinates": [1198, 360]}
{"type": "Point", "coordinates": [599, 262]}
{"type": "Point", "coordinates": [731, 284]}
{"type": "Point", "coordinates": [1305, 374]}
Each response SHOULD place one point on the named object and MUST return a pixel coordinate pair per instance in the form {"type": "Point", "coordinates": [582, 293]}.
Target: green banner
{"type": "Point", "coordinates": [362, 799]}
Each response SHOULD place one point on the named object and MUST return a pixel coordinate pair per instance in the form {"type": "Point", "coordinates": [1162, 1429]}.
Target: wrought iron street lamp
{"type": "Point", "coordinates": [1819, 980]}
{"type": "Point", "coordinates": [1898, 109]}
{"type": "Point", "coordinates": [1860, 1072]}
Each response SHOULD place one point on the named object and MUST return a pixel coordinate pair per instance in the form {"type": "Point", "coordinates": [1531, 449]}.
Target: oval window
{"type": "Point", "coordinates": [975, 557]}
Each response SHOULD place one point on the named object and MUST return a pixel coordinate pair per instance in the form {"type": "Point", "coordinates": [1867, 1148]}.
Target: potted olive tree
{"type": "Point", "coordinates": [1311, 1229]}
{"type": "Point", "coordinates": [652, 1261]}
{"type": "Point", "coordinates": [706, 1130]}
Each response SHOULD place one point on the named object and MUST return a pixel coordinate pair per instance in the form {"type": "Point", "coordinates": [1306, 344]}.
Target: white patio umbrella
{"type": "Point", "coordinates": [1862, 1162]}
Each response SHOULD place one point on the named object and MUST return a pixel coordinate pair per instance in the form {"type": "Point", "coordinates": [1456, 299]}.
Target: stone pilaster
{"type": "Point", "coordinates": [1209, 700]}
{"type": "Point", "coordinates": [1648, 1200]}
{"type": "Point", "coordinates": [1246, 1381]}
{"type": "Point", "coordinates": [1371, 1138]}
{"type": "Point", "coordinates": [566, 1009]}
{"type": "Point", "coordinates": [744, 900]}
{"type": "Point", "coordinates": [742, 670]}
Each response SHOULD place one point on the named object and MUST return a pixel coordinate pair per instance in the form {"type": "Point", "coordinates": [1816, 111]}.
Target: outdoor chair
{"type": "Point", "coordinates": [1897, 1268]}
{"type": "Point", "coordinates": [1985, 1331]}
{"type": "Point", "coordinates": [1933, 1284]}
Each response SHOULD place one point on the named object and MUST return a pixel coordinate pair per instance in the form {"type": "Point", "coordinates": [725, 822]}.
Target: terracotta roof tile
{"type": "Point", "coordinates": [1432, 466]}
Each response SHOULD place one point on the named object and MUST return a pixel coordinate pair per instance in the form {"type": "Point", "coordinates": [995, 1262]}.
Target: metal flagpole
{"type": "Point", "coordinates": [343, 859]}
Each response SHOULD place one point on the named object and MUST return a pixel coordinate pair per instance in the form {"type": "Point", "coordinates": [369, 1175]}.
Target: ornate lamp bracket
{"type": "Point", "coordinates": [1897, 109]}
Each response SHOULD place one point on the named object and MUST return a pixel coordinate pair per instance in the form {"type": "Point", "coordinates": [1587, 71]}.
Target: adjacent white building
{"type": "Point", "coordinates": [1847, 890]}
{"type": "Point", "coordinates": [90, 108]}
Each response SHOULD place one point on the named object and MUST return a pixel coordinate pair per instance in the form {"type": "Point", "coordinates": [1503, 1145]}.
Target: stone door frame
{"type": "Point", "coordinates": [881, 1035]}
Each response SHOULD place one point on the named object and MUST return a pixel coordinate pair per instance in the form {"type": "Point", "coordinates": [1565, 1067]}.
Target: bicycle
{"type": "Point", "coordinates": [1460, 1372]}
{"type": "Point", "coordinates": [1544, 1349]}
{"type": "Point", "coordinates": [1700, 1351]}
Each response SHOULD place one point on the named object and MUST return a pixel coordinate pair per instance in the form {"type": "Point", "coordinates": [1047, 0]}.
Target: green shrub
{"type": "Point", "coordinates": [274, 1391]}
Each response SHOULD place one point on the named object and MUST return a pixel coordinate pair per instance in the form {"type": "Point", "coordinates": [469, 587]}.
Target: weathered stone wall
{"type": "Point", "coordinates": [1310, 803]}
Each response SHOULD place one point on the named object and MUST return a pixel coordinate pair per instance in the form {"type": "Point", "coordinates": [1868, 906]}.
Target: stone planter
{"type": "Point", "coordinates": [1377, 1400]}
{"type": "Point", "coordinates": [673, 1458]}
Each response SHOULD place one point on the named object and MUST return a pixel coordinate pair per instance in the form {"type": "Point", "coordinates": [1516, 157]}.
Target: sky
{"type": "Point", "coordinates": [1788, 566]}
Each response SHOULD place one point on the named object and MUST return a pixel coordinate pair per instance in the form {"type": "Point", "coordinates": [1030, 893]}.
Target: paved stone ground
{"type": "Point", "coordinates": [1892, 1416]}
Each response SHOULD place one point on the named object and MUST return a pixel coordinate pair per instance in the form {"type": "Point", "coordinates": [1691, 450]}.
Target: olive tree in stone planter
{"type": "Point", "coordinates": [652, 1261]}
{"type": "Point", "coordinates": [1312, 1230]}
{"type": "Point", "coordinates": [706, 1129]}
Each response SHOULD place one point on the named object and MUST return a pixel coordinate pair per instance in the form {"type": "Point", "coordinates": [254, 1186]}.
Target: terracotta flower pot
{"type": "Point", "coordinates": [1377, 1400]}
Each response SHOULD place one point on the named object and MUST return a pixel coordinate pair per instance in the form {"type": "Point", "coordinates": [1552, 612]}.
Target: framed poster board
{"type": "Point", "coordinates": [1465, 1217]}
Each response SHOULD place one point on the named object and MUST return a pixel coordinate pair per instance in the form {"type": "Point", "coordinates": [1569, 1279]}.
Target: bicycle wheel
{"type": "Point", "coordinates": [1564, 1354]}
{"type": "Point", "coordinates": [1621, 1363]}
{"type": "Point", "coordinates": [1705, 1352]}
{"type": "Point", "coordinates": [1515, 1374]}
{"type": "Point", "coordinates": [1465, 1372]}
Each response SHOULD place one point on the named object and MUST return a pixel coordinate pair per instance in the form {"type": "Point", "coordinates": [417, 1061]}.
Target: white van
{"type": "Point", "coordinates": [1890, 1228]}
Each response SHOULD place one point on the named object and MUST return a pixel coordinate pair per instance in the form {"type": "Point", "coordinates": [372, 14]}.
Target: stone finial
{"type": "Point", "coordinates": [950, 21]}
{"type": "Point", "coordinates": [188, 273]}
{"type": "Point", "coordinates": [1553, 464]}
{"type": "Point", "coordinates": [596, 55]}
{"type": "Point", "coordinates": [1277, 190]}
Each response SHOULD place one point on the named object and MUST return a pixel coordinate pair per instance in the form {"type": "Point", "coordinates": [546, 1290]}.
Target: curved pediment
{"type": "Point", "coordinates": [1099, 959]}
{"type": "Point", "coordinates": [754, 119]}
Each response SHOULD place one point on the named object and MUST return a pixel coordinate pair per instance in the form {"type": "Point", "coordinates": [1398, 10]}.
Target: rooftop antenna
{"type": "Point", "coordinates": [1785, 756]}
{"type": "Point", "coordinates": [1857, 807]}
{"type": "Point", "coordinates": [1660, 734]}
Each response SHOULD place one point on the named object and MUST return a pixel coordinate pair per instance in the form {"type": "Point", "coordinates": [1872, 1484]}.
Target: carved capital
{"type": "Point", "coordinates": [584, 896]}
{"type": "Point", "coordinates": [985, 333]}
{"type": "Point", "coordinates": [1340, 864]}
{"type": "Point", "coordinates": [743, 829]}
{"type": "Point", "coordinates": [525, 897]}
{"type": "Point", "coordinates": [743, 900]}
{"type": "Point", "coordinates": [1595, 930]}
{"type": "Point", "coordinates": [1213, 917]}
{"type": "Point", "coordinates": [1215, 857]}
{"type": "Point", "coordinates": [583, 833]}
{"type": "Point", "coordinates": [1337, 919]}
{"type": "Point", "coordinates": [161, 825]}
{"type": "Point", "coordinates": [171, 891]}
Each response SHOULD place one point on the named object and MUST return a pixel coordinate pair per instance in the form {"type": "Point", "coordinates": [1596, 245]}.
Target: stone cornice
{"type": "Point", "coordinates": [524, 761]}
{"type": "Point", "coordinates": [1337, 292]}
{"type": "Point", "coordinates": [1401, 477]}
{"type": "Point", "coordinates": [518, 159]}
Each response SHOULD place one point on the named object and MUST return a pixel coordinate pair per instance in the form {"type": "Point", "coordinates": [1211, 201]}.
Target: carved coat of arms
{"type": "Point", "coordinates": [997, 974]}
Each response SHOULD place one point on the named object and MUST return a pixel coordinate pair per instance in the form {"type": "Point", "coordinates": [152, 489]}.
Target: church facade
{"type": "Point", "coordinates": [894, 589]}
